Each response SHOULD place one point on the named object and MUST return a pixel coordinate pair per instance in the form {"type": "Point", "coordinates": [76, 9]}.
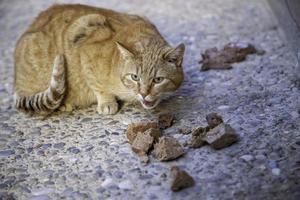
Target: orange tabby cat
{"type": "Point", "coordinates": [76, 55]}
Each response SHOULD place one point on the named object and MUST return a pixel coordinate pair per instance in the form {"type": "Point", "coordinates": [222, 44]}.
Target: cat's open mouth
{"type": "Point", "coordinates": [149, 104]}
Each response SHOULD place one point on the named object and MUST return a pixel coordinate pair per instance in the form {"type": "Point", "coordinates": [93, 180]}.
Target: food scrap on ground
{"type": "Point", "coordinates": [145, 136]}
{"type": "Point", "coordinates": [181, 179]}
{"type": "Point", "coordinates": [213, 120]}
{"type": "Point", "coordinates": [134, 128]}
{"type": "Point", "coordinates": [142, 136]}
{"type": "Point", "coordinates": [165, 120]}
{"type": "Point", "coordinates": [143, 141]}
{"type": "Point", "coordinates": [231, 53]}
{"type": "Point", "coordinates": [185, 130]}
{"type": "Point", "coordinates": [197, 137]}
{"type": "Point", "coordinates": [144, 159]}
{"type": "Point", "coordinates": [221, 136]}
{"type": "Point", "coordinates": [168, 148]}
{"type": "Point", "coordinates": [218, 134]}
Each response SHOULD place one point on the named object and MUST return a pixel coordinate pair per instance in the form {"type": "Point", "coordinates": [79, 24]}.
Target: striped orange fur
{"type": "Point", "coordinates": [77, 55]}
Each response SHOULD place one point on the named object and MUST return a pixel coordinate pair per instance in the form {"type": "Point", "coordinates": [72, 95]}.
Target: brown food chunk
{"type": "Point", "coordinates": [221, 136]}
{"type": "Point", "coordinates": [213, 120]}
{"type": "Point", "coordinates": [181, 179]}
{"type": "Point", "coordinates": [197, 137]}
{"type": "Point", "coordinates": [165, 121]}
{"type": "Point", "coordinates": [222, 59]}
{"type": "Point", "coordinates": [185, 130]}
{"type": "Point", "coordinates": [196, 142]}
{"type": "Point", "coordinates": [144, 159]}
{"type": "Point", "coordinates": [142, 142]}
{"type": "Point", "coordinates": [200, 131]}
{"type": "Point", "coordinates": [168, 148]}
{"type": "Point", "coordinates": [134, 128]}
{"type": "Point", "coordinates": [155, 133]}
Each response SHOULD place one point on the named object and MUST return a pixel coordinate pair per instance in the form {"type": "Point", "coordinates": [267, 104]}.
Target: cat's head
{"type": "Point", "coordinates": [153, 72]}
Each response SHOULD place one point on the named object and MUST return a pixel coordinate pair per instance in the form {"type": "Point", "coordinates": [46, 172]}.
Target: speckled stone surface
{"type": "Point", "coordinates": [83, 155]}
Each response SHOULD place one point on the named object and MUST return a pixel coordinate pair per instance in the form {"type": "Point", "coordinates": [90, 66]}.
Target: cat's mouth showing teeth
{"type": "Point", "coordinates": [149, 104]}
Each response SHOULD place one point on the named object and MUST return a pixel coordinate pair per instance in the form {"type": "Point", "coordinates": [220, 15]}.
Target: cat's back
{"type": "Point", "coordinates": [62, 15]}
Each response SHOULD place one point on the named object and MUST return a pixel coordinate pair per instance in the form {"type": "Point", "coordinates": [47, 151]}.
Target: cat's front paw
{"type": "Point", "coordinates": [108, 108]}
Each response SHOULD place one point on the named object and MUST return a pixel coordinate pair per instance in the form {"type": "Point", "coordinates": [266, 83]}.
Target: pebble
{"type": "Point", "coordinates": [43, 191]}
{"type": "Point", "coordinates": [6, 153]}
{"type": "Point", "coordinates": [260, 157]}
{"type": "Point", "coordinates": [74, 150]}
{"type": "Point", "coordinates": [59, 145]}
{"type": "Point", "coordinates": [107, 183]}
{"type": "Point", "coordinates": [276, 171]}
{"type": "Point", "coordinates": [223, 107]}
{"type": "Point", "coordinates": [272, 164]}
{"type": "Point", "coordinates": [125, 185]}
{"type": "Point", "coordinates": [247, 158]}
{"type": "Point", "coordinates": [84, 120]}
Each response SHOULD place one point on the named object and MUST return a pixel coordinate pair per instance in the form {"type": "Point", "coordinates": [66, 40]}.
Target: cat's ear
{"type": "Point", "coordinates": [124, 52]}
{"type": "Point", "coordinates": [175, 55]}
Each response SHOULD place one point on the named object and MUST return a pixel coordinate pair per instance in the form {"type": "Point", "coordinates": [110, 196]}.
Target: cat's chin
{"type": "Point", "coordinates": [149, 104]}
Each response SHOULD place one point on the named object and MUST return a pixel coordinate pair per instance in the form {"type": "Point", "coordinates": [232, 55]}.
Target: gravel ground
{"type": "Point", "coordinates": [83, 155]}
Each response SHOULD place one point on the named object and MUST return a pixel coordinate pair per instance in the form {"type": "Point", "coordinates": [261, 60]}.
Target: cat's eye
{"type": "Point", "coordinates": [158, 79]}
{"type": "Point", "coordinates": [135, 77]}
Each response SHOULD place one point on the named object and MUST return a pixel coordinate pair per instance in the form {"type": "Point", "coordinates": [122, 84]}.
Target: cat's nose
{"type": "Point", "coordinates": [143, 95]}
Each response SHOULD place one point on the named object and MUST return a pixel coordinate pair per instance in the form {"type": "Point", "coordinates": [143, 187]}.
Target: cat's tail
{"type": "Point", "coordinates": [47, 101]}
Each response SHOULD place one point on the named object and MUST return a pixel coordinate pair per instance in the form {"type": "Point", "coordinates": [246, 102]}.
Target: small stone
{"type": "Point", "coordinates": [6, 153]}
{"type": "Point", "coordinates": [273, 164]}
{"type": "Point", "coordinates": [125, 185]}
{"type": "Point", "coordinates": [223, 107]}
{"type": "Point", "coordinates": [213, 120]}
{"type": "Point", "coordinates": [46, 146]}
{"type": "Point", "coordinates": [134, 128]}
{"type": "Point", "coordinates": [221, 136]}
{"type": "Point", "coordinates": [168, 148]}
{"type": "Point", "coordinates": [74, 150]}
{"type": "Point", "coordinates": [89, 148]}
{"type": "Point", "coordinates": [67, 192]}
{"type": "Point", "coordinates": [165, 121]}
{"type": "Point", "coordinates": [107, 183]}
{"type": "Point", "coordinates": [276, 171]}
{"type": "Point", "coordinates": [181, 179]}
{"type": "Point", "coordinates": [247, 158]}
{"type": "Point", "coordinates": [43, 191]}
{"type": "Point", "coordinates": [84, 120]}
{"type": "Point", "coordinates": [59, 145]}
{"type": "Point", "coordinates": [260, 157]}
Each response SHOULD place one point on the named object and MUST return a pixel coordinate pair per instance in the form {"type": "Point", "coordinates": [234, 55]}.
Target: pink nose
{"type": "Point", "coordinates": [143, 95]}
